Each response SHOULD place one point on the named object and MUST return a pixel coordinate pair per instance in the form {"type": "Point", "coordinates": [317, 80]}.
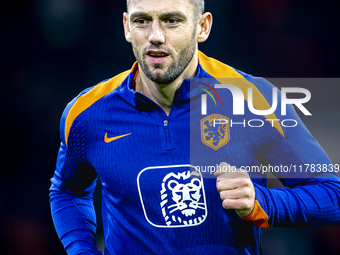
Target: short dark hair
{"type": "Point", "coordinates": [198, 7]}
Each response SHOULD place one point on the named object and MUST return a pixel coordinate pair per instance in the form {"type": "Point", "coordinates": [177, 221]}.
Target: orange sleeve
{"type": "Point", "coordinates": [258, 216]}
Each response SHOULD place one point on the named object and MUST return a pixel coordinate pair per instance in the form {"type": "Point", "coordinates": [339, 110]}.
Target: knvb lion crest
{"type": "Point", "coordinates": [215, 131]}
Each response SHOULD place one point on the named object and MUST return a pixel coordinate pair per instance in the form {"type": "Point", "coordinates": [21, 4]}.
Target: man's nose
{"type": "Point", "coordinates": [157, 35]}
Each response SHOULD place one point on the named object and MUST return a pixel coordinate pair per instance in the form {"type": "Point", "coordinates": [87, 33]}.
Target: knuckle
{"type": "Point", "coordinates": [219, 186]}
{"type": "Point", "coordinates": [239, 182]}
{"type": "Point", "coordinates": [250, 193]}
{"type": "Point", "coordinates": [246, 182]}
{"type": "Point", "coordinates": [225, 204]}
{"type": "Point", "coordinates": [223, 195]}
{"type": "Point", "coordinates": [246, 203]}
{"type": "Point", "coordinates": [247, 191]}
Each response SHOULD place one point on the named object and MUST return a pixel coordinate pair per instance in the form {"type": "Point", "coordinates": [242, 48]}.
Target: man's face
{"type": "Point", "coordinates": [163, 37]}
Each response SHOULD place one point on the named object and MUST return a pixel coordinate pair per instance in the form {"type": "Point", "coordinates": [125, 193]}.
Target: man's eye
{"type": "Point", "coordinates": [172, 21]}
{"type": "Point", "coordinates": [140, 21]}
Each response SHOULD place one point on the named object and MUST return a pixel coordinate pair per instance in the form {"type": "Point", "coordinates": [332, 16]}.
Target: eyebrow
{"type": "Point", "coordinates": [162, 16]}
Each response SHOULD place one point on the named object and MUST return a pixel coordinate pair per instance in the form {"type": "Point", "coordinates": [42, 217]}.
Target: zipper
{"type": "Point", "coordinates": [166, 123]}
{"type": "Point", "coordinates": [168, 145]}
{"type": "Point", "coordinates": [166, 128]}
{"type": "Point", "coordinates": [163, 115]}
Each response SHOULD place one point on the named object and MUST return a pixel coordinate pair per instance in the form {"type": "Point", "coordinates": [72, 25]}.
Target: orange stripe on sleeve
{"type": "Point", "coordinates": [227, 75]}
{"type": "Point", "coordinates": [258, 216]}
{"type": "Point", "coordinates": [86, 100]}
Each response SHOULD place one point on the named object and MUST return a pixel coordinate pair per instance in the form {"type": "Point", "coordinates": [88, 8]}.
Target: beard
{"type": "Point", "coordinates": [174, 70]}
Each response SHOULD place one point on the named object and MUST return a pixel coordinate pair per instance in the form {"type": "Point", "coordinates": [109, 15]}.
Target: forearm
{"type": "Point", "coordinates": [315, 204]}
{"type": "Point", "coordinates": [75, 222]}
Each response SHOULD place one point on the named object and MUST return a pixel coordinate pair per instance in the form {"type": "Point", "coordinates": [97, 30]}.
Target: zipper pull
{"type": "Point", "coordinates": [166, 128]}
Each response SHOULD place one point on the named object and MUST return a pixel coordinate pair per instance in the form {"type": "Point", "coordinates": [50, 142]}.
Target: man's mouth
{"type": "Point", "coordinates": [157, 57]}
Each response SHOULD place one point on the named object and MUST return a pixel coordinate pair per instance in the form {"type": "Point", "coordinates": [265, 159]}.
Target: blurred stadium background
{"type": "Point", "coordinates": [52, 49]}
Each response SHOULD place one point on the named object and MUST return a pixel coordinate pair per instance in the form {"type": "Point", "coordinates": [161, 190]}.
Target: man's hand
{"type": "Point", "coordinates": [236, 189]}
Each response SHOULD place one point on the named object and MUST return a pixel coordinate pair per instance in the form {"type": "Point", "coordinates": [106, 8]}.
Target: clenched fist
{"type": "Point", "coordinates": [236, 189]}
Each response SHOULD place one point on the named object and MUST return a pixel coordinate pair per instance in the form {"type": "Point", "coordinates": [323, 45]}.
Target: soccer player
{"type": "Point", "coordinates": [136, 132]}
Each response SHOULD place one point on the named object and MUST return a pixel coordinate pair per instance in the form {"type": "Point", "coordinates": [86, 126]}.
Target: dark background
{"type": "Point", "coordinates": [50, 50]}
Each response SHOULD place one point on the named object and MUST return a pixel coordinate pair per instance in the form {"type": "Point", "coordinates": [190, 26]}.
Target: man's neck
{"type": "Point", "coordinates": [163, 94]}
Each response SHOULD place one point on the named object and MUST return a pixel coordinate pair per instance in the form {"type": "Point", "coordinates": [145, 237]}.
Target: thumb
{"type": "Point", "coordinates": [223, 168]}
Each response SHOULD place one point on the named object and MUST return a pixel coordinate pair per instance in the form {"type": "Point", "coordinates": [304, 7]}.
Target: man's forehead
{"type": "Point", "coordinates": [160, 6]}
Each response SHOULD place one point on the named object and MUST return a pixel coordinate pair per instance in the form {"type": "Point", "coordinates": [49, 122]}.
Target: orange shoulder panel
{"type": "Point", "coordinates": [228, 75]}
{"type": "Point", "coordinates": [89, 98]}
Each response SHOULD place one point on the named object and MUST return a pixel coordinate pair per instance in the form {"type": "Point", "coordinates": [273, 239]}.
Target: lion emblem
{"type": "Point", "coordinates": [215, 131]}
{"type": "Point", "coordinates": [183, 199]}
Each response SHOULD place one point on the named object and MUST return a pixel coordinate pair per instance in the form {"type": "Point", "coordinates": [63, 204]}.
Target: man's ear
{"type": "Point", "coordinates": [126, 27]}
{"type": "Point", "coordinates": [205, 24]}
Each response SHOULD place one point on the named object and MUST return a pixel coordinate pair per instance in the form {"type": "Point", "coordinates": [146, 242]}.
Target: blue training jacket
{"type": "Point", "coordinates": [158, 193]}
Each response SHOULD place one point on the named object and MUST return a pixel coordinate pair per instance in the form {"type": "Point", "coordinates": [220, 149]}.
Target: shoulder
{"type": "Point", "coordinates": [258, 89]}
{"type": "Point", "coordinates": [86, 99]}
{"type": "Point", "coordinates": [228, 74]}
